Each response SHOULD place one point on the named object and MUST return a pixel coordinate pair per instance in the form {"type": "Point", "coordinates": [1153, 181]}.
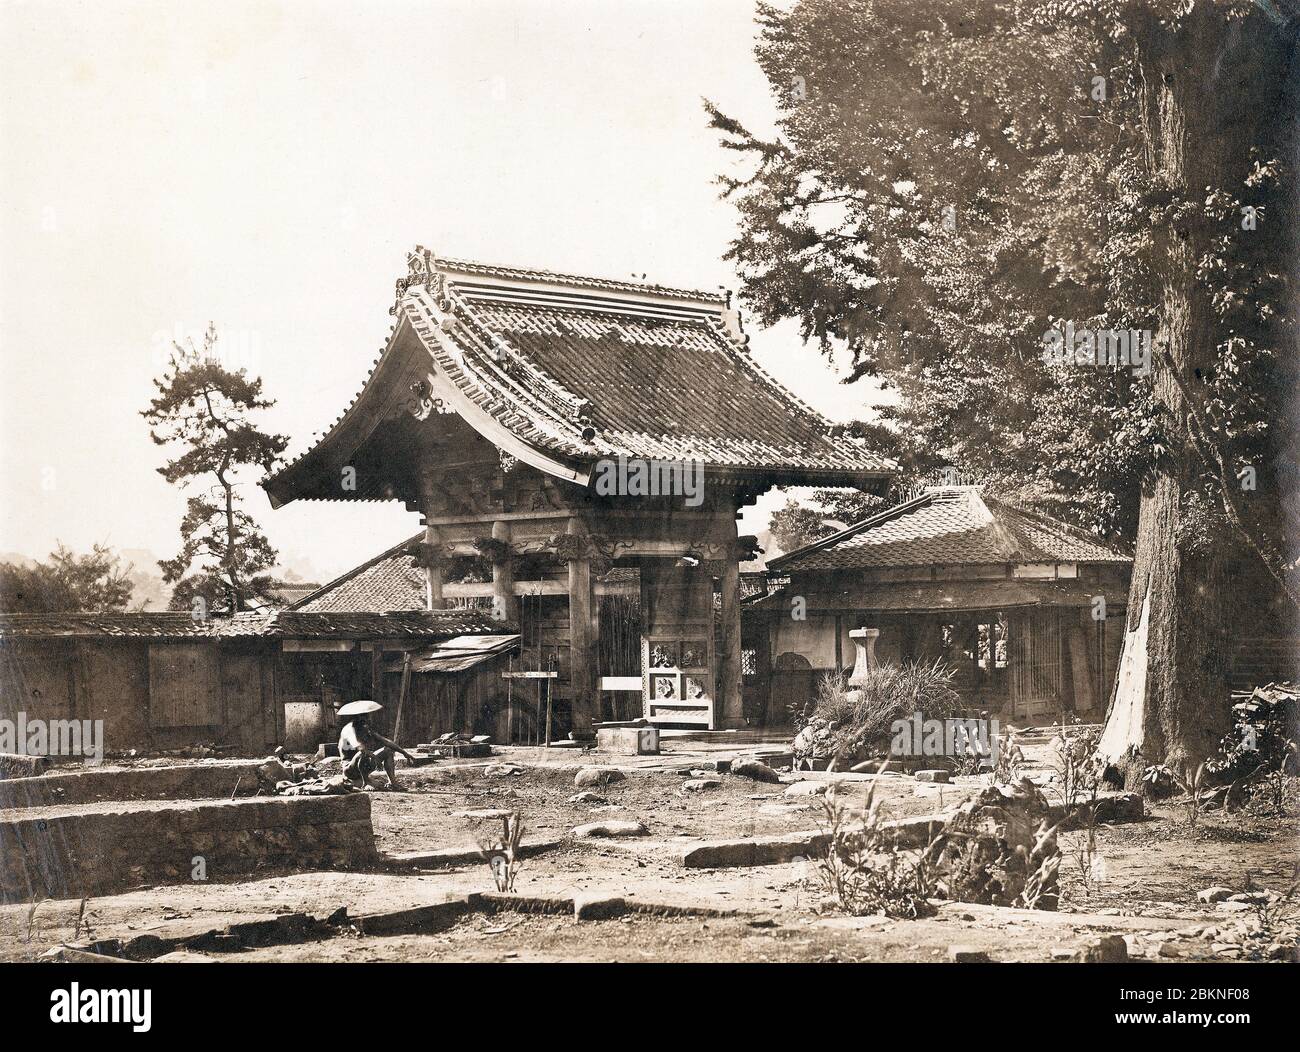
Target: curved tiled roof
{"type": "Point", "coordinates": [490, 270]}
{"type": "Point", "coordinates": [954, 525]}
{"type": "Point", "coordinates": [585, 368]}
{"type": "Point", "coordinates": [389, 581]}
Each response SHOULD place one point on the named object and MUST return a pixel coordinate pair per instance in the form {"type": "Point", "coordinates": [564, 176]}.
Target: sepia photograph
{"type": "Point", "coordinates": [804, 490]}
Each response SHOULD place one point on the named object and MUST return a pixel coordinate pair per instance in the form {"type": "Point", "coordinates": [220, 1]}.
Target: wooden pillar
{"type": "Point", "coordinates": [505, 606]}
{"type": "Point", "coordinates": [730, 680]}
{"type": "Point", "coordinates": [583, 630]}
{"type": "Point", "coordinates": [377, 674]}
{"type": "Point", "coordinates": [433, 597]}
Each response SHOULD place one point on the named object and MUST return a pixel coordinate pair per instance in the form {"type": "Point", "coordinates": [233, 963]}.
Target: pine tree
{"type": "Point", "coordinates": [205, 410]}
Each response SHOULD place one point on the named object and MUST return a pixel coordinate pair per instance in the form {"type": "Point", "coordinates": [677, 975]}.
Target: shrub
{"type": "Point", "coordinates": [852, 721]}
{"type": "Point", "coordinates": [1260, 753]}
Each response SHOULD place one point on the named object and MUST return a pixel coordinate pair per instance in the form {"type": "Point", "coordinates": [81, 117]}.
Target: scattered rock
{"type": "Point", "coordinates": [502, 770]}
{"type": "Point", "coordinates": [1168, 949]}
{"type": "Point", "coordinates": [967, 955]}
{"type": "Point", "coordinates": [183, 957]}
{"type": "Point", "coordinates": [1252, 897]}
{"type": "Point", "coordinates": [610, 829]}
{"type": "Point", "coordinates": [1109, 949]}
{"type": "Point", "coordinates": [1215, 894]}
{"type": "Point", "coordinates": [808, 789]}
{"type": "Point", "coordinates": [587, 798]}
{"type": "Point", "coordinates": [593, 776]}
{"type": "Point", "coordinates": [933, 776]}
{"type": "Point", "coordinates": [73, 955]}
{"type": "Point", "coordinates": [756, 769]}
{"type": "Point", "coordinates": [273, 772]}
{"type": "Point", "coordinates": [1062, 953]}
{"type": "Point", "coordinates": [486, 813]}
{"type": "Point", "coordinates": [1233, 907]}
{"type": "Point", "coordinates": [700, 785]}
{"type": "Point", "coordinates": [1133, 946]}
{"type": "Point", "coordinates": [1127, 807]}
{"type": "Point", "coordinates": [597, 907]}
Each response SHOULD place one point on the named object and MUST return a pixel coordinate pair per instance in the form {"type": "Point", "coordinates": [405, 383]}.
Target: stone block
{"type": "Point", "coordinates": [628, 741]}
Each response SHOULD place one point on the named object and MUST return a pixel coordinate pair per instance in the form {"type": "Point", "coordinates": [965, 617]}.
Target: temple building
{"type": "Point", "coordinates": [1026, 610]}
{"type": "Point", "coordinates": [567, 439]}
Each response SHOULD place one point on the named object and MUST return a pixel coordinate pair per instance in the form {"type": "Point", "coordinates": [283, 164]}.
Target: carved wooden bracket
{"type": "Point", "coordinates": [493, 548]}
{"type": "Point", "coordinates": [426, 555]}
{"type": "Point", "coordinates": [568, 546]}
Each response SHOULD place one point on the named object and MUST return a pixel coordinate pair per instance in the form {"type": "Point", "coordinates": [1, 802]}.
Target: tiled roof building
{"type": "Point", "coordinates": [497, 407]}
{"type": "Point", "coordinates": [578, 369]}
{"type": "Point", "coordinates": [952, 525]}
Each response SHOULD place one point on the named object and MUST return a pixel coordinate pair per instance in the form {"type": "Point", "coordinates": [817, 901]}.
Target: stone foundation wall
{"type": "Point", "coordinates": [71, 853]}
{"type": "Point", "coordinates": [217, 779]}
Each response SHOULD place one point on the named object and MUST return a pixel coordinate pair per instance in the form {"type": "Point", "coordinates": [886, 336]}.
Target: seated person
{"type": "Point", "coordinates": [363, 749]}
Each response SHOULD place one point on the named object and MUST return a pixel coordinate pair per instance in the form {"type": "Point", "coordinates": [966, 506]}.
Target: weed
{"type": "Point", "coordinates": [863, 871]}
{"type": "Point", "coordinates": [1080, 775]}
{"type": "Point", "coordinates": [502, 854]}
{"type": "Point", "coordinates": [1192, 788]}
{"type": "Point", "coordinates": [31, 917]}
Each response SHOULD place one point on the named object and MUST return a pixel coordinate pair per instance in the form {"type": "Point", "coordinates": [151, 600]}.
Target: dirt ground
{"type": "Point", "coordinates": [1144, 887]}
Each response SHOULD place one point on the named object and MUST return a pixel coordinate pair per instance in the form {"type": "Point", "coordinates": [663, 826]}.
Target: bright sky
{"type": "Point", "coordinates": [268, 165]}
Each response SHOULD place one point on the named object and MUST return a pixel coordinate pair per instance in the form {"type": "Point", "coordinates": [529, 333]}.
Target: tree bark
{"type": "Point", "coordinates": [1205, 86]}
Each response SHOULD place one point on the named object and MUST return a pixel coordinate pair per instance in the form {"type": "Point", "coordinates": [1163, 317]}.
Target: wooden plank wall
{"type": "Point", "coordinates": [150, 695]}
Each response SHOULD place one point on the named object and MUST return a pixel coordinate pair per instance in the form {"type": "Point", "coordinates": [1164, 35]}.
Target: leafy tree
{"type": "Point", "coordinates": [67, 582]}
{"type": "Point", "coordinates": [206, 410]}
{"type": "Point", "coordinates": [794, 525]}
{"type": "Point", "coordinates": [947, 184]}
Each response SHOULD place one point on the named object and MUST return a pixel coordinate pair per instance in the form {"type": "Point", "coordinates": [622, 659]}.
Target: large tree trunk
{"type": "Point", "coordinates": [1206, 87]}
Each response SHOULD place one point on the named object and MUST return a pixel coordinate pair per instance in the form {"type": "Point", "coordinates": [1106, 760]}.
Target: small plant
{"type": "Point", "coordinates": [503, 854]}
{"type": "Point", "coordinates": [863, 871]}
{"type": "Point", "coordinates": [31, 917]}
{"type": "Point", "coordinates": [1272, 911]}
{"type": "Point", "coordinates": [1044, 860]}
{"type": "Point", "coordinates": [1192, 787]}
{"type": "Point", "coordinates": [995, 858]}
{"type": "Point", "coordinates": [1080, 775]}
{"type": "Point", "coordinates": [1009, 760]}
{"type": "Point", "coordinates": [1158, 782]}
{"type": "Point", "coordinates": [81, 920]}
